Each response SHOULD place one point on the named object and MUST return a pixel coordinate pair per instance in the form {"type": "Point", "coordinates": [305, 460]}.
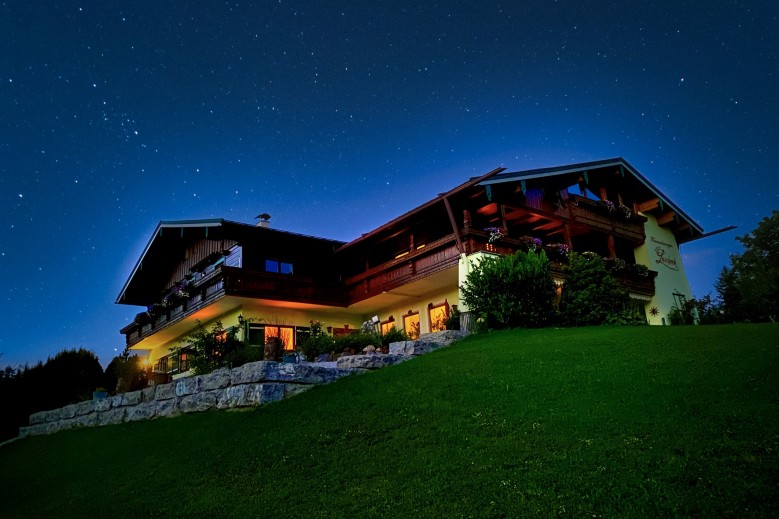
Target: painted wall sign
{"type": "Point", "coordinates": [663, 253]}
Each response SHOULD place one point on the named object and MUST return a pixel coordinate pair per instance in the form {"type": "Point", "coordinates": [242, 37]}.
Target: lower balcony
{"type": "Point", "coordinates": [232, 281]}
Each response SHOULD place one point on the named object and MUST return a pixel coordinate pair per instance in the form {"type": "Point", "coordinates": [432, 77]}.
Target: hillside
{"type": "Point", "coordinates": [602, 422]}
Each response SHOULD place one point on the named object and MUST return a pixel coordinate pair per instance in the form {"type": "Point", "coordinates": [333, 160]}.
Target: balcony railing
{"type": "Point", "coordinates": [234, 281]}
{"type": "Point", "coordinates": [595, 215]}
{"type": "Point", "coordinates": [434, 257]}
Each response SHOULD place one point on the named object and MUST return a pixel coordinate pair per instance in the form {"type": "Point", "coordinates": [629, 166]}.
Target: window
{"type": "Point", "coordinates": [279, 267]}
{"type": "Point", "coordinates": [387, 325]}
{"type": "Point", "coordinates": [285, 333]}
{"type": "Point", "coordinates": [411, 324]}
{"type": "Point", "coordinates": [438, 315]}
{"type": "Point", "coordinates": [256, 335]}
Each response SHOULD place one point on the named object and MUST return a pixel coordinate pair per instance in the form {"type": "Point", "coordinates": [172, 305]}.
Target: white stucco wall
{"type": "Point", "coordinates": [660, 253]}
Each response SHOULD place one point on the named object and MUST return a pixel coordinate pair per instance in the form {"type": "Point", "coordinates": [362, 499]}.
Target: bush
{"type": "Point", "coordinates": [696, 311]}
{"type": "Point", "coordinates": [511, 291]}
{"type": "Point", "coordinates": [216, 348]}
{"type": "Point", "coordinates": [591, 295]}
{"type": "Point", "coordinates": [393, 335]}
{"type": "Point", "coordinates": [357, 341]}
{"type": "Point", "coordinates": [453, 322]}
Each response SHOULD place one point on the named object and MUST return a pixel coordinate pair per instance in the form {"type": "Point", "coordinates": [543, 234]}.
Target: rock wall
{"type": "Point", "coordinates": [252, 384]}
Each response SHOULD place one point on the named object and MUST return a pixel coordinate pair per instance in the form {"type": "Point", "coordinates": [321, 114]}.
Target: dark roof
{"type": "Point", "coordinates": [465, 185]}
{"type": "Point", "coordinates": [159, 249]}
{"type": "Point", "coordinates": [577, 169]}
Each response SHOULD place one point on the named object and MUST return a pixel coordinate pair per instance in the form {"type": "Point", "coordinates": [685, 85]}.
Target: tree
{"type": "Point", "coordinates": [749, 289]}
{"type": "Point", "coordinates": [591, 295]}
{"type": "Point", "coordinates": [511, 291]}
{"type": "Point", "coordinates": [125, 373]}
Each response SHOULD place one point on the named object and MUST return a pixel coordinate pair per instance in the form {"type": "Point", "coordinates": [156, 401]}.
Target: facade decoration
{"type": "Point", "coordinates": [273, 284]}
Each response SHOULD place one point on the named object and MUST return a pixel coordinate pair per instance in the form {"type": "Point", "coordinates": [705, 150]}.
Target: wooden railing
{"type": "Point", "coordinates": [593, 214]}
{"type": "Point", "coordinates": [436, 256]}
{"type": "Point", "coordinates": [224, 281]}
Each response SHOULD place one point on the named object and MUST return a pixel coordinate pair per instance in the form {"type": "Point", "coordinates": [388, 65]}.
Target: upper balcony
{"type": "Point", "coordinates": [408, 267]}
{"type": "Point", "coordinates": [226, 281]}
{"type": "Point", "coordinates": [617, 221]}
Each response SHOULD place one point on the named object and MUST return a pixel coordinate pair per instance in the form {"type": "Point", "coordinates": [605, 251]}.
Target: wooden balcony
{"type": "Point", "coordinates": [435, 257]}
{"type": "Point", "coordinates": [233, 281]}
{"type": "Point", "coordinates": [592, 214]}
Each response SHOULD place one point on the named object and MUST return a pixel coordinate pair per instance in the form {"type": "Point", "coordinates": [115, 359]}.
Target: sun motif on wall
{"type": "Point", "coordinates": [654, 311]}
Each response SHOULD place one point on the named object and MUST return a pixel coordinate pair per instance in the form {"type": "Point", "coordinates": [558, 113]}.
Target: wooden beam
{"type": "Point", "coordinates": [665, 218]}
{"type": "Point", "coordinates": [648, 205]}
{"type": "Point", "coordinates": [455, 228]}
{"type": "Point", "coordinates": [554, 224]}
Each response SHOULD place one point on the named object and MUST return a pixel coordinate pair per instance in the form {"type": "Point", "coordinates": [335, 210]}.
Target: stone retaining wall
{"type": "Point", "coordinates": [252, 384]}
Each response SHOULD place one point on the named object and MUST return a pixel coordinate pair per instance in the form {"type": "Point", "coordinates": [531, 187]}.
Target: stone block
{"type": "Point", "coordinates": [299, 373]}
{"type": "Point", "coordinates": [45, 416]}
{"type": "Point", "coordinates": [112, 416]}
{"type": "Point", "coordinates": [167, 408]}
{"type": "Point", "coordinates": [103, 404]}
{"type": "Point", "coordinates": [69, 411]}
{"type": "Point", "coordinates": [250, 373]}
{"type": "Point", "coordinates": [296, 389]}
{"type": "Point", "coordinates": [369, 361]}
{"type": "Point", "coordinates": [188, 386]}
{"type": "Point", "coordinates": [63, 425]}
{"type": "Point", "coordinates": [199, 401]}
{"type": "Point", "coordinates": [116, 401]}
{"type": "Point", "coordinates": [147, 394]}
{"type": "Point", "coordinates": [444, 337]}
{"type": "Point", "coordinates": [85, 407]}
{"type": "Point", "coordinates": [131, 398]}
{"type": "Point", "coordinates": [142, 411]}
{"type": "Point", "coordinates": [85, 420]}
{"type": "Point", "coordinates": [165, 391]}
{"type": "Point", "coordinates": [217, 379]}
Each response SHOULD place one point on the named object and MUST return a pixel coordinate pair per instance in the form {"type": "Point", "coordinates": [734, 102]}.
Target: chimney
{"type": "Point", "coordinates": [264, 220]}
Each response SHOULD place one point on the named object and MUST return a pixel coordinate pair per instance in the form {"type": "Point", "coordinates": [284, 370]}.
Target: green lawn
{"type": "Point", "coordinates": [595, 422]}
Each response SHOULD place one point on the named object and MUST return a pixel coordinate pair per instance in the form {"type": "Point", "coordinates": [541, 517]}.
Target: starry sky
{"type": "Point", "coordinates": [335, 117]}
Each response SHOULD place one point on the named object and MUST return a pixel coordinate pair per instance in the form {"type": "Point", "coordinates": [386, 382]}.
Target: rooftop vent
{"type": "Point", "coordinates": [264, 220]}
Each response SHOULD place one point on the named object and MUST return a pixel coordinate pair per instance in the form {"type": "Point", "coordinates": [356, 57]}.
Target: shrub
{"type": "Point", "coordinates": [511, 291]}
{"type": "Point", "coordinates": [357, 341]}
{"type": "Point", "coordinates": [216, 348]}
{"type": "Point", "coordinates": [394, 335]}
{"type": "Point", "coordinates": [314, 346]}
{"type": "Point", "coordinates": [591, 295]}
{"type": "Point", "coordinates": [317, 343]}
{"type": "Point", "coordinates": [453, 322]}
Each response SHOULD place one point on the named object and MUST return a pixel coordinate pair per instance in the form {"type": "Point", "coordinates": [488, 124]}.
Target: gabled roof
{"type": "Point", "coordinates": [162, 250]}
{"type": "Point", "coordinates": [569, 173]}
{"type": "Point", "coordinates": [465, 185]}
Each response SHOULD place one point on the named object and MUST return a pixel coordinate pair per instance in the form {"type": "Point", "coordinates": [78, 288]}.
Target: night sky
{"type": "Point", "coordinates": [335, 117]}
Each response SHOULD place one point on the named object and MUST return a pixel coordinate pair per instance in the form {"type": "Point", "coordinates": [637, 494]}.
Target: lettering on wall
{"type": "Point", "coordinates": [664, 254]}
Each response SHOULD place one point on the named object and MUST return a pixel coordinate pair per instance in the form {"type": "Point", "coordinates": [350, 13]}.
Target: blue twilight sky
{"type": "Point", "coordinates": [337, 116]}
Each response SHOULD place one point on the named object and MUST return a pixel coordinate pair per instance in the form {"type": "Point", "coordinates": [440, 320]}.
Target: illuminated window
{"type": "Point", "coordinates": [387, 325]}
{"type": "Point", "coordinates": [411, 324]}
{"type": "Point", "coordinates": [438, 315]}
{"type": "Point", "coordinates": [285, 333]}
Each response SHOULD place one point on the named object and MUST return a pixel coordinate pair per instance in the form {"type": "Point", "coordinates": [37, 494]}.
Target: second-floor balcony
{"type": "Point", "coordinates": [226, 281]}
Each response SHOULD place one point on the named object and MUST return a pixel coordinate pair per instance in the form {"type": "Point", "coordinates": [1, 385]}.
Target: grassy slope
{"type": "Point", "coordinates": [603, 421]}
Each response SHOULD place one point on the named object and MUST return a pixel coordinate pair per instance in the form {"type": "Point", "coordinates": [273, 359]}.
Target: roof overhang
{"type": "Point", "coordinates": [648, 189]}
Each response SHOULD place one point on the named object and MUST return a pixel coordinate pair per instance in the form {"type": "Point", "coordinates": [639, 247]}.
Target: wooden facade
{"type": "Point", "coordinates": [599, 206]}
